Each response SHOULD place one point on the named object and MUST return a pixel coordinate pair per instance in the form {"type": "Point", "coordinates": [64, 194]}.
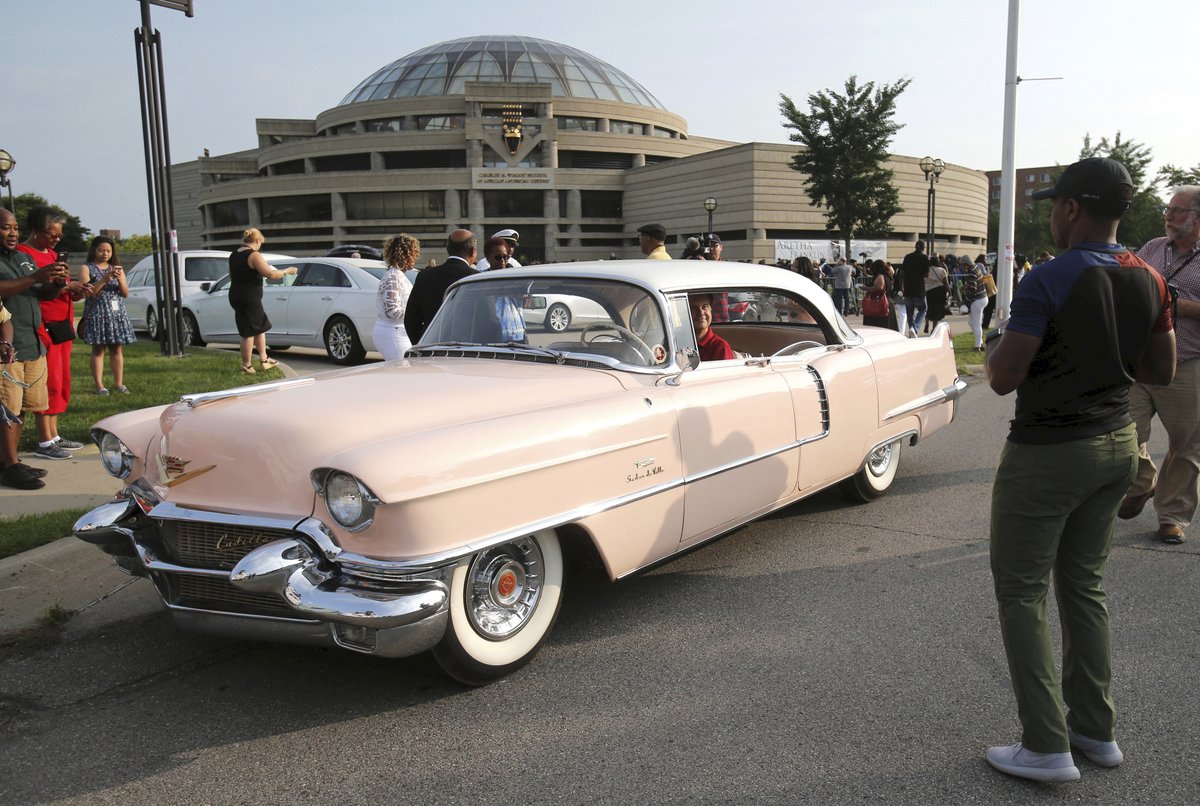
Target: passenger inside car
{"type": "Point", "coordinates": [712, 347]}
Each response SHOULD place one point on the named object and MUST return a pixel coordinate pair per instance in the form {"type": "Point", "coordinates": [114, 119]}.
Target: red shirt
{"type": "Point", "coordinates": [53, 310]}
{"type": "Point", "coordinates": [714, 348]}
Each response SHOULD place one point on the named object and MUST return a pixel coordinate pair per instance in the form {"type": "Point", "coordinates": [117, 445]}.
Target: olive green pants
{"type": "Point", "coordinates": [1053, 509]}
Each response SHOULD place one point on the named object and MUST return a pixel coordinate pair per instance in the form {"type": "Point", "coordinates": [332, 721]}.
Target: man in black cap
{"type": "Point", "coordinates": [1084, 327]}
{"type": "Point", "coordinates": [653, 240]}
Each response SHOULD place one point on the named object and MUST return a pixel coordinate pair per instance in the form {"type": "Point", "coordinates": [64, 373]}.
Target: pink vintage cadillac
{"type": "Point", "coordinates": [426, 503]}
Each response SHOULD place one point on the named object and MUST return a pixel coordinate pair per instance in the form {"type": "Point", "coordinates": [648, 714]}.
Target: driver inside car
{"type": "Point", "coordinates": [711, 346]}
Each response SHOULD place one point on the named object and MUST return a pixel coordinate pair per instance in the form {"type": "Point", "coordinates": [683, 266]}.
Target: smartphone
{"type": "Point", "coordinates": [64, 257]}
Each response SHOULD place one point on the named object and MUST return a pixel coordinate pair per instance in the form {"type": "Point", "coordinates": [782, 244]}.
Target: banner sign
{"type": "Point", "coordinates": [830, 250]}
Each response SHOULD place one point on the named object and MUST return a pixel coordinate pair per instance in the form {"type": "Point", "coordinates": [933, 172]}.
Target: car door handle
{"type": "Point", "coordinates": [326, 299]}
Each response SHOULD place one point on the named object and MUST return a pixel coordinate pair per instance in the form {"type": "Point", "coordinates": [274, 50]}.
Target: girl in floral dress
{"type": "Point", "coordinates": [105, 323]}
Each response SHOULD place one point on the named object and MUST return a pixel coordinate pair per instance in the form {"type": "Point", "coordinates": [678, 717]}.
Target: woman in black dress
{"type": "Point", "coordinates": [247, 268]}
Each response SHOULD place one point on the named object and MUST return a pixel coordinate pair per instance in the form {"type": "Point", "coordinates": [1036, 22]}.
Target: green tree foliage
{"type": "Point", "coordinates": [75, 236]}
{"type": "Point", "coordinates": [845, 139]}
{"type": "Point", "coordinates": [135, 244]}
{"type": "Point", "coordinates": [1143, 220]}
{"type": "Point", "coordinates": [1172, 177]}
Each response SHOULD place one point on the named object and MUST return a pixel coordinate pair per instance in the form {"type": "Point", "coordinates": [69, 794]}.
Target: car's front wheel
{"type": "Point", "coordinates": [191, 331]}
{"type": "Point", "coordinates": [558, 318]}
{"type": "Point", "coordinates": [503, 603]}
{"type": "Point", "coordinates": [876, 475]}
{"type": "Point", "coordinates": [342, 341]}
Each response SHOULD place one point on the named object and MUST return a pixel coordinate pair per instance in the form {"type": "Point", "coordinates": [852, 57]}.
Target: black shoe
{"type": "Point", "coordinates": [36, 472]}
{"type": "Point", "coordinates": [19, 478]}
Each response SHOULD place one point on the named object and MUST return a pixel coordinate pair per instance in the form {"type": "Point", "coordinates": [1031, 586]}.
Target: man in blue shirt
{"type": "Point", "coordinates": [1084, 327]}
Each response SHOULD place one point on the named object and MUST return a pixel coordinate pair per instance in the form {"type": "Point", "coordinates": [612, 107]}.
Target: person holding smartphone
{"type": "Point", "coordinates": [105, 324]}
{"type": "Point", "coordinates": [45, 226]}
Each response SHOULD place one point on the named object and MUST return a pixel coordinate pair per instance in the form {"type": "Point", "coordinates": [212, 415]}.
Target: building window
{"type": "Point", "coordinates": [1046, 178]}
{"type": "Point", "coordinates": [342, 162]}
{"type": "Point", "coordinates": [600, 203]}
{"type": "Point", "coordinates": [345, 128]}
{"type": "Point", "coordinates": [1031, 178]}
{"type": "Point", "coordinates": [594, 159]}
{"type": "Point", "coordinates": [396, 204]}
{"type": "Point", "coordinates": [625, 127]}
{"type": "Point", "coordinates": [439, 122]}
{"type": "Point", "coordinates": [657, 132]}
{"type": "Point", "coordinates": [386, 125]}
{"type": "Point", "coordinates": [513, 204]}
{"type": "Point", "coordinates": [1028, 191]}
{"type": "Point", "coordinates": [493, 160]}
{"type": "Point", "coordinates": [286, 168]}
{"type": "Point", "coordinates": [578, 124]}
{"type": "Point", "coordinates": [289, 209]}
{"type": "Point", "coordinates": [229, 214]}
{"type": "Point", "coordinates": [400, 160]}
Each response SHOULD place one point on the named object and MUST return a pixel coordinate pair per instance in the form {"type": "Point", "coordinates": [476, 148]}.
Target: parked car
{"type": "Point", "coordinates": [555, 313]}
{"type": "Point", "coordinates": [425, 504]}
{"type": "Point", "coordinates": [356, 250]}
{"type": "Point", "coordinates": [329, 303]}
{"type": "Point", "coordinates": [199, 269]}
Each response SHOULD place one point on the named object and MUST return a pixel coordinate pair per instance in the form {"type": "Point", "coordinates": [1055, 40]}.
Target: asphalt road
{"type": "Point", "coordinates": [827, 654]}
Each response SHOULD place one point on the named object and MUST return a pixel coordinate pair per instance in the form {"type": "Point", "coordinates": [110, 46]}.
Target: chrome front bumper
{"type": "Point", "coordinates": [321, 604]}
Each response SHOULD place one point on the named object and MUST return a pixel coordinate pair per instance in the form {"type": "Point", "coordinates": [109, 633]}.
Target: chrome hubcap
{"type": "Point", "coordinates": [503, 587]}
{"type": "Point", "coordinates": [558, 319]}
{"type": "Point", "coordinates": [879, 460]}
{"type": "Point", "coordinates": [339, 341]}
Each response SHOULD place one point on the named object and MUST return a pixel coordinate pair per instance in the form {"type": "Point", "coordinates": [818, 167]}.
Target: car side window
{"type": "Point", "coordinates": [322, 275]}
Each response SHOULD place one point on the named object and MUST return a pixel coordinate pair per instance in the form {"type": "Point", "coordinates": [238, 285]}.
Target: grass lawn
{"type": "Point", "coordinates": [152, 378]}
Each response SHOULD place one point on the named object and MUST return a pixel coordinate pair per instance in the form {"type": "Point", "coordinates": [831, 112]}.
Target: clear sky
{"type": "Point", "coordinates": [71, 73]}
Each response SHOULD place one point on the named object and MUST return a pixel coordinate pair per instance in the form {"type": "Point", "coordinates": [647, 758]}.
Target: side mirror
{"type": "Point", "coordinates": [687, 359]}
{"type": "Point", "coordinates": [205, 287]}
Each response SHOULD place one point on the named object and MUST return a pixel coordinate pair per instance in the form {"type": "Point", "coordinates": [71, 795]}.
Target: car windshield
{"type": "Point", "coordinates": [602, 318]}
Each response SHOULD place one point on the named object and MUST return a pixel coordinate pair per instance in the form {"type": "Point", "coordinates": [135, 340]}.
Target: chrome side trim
{"type": "Point", "coordinates": [951, 392]}
{"type": "Point", "coordinates": [173, 512]}
{"type": "Point", "coordinates": [192, 401]}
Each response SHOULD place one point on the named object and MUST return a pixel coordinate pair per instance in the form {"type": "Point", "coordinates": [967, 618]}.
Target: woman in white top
{"type": "Point", "coordinates": [400, 253]}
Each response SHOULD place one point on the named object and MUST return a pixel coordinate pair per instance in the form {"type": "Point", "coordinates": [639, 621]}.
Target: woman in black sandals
{"type": "Point", "coordinates": [247, 268]}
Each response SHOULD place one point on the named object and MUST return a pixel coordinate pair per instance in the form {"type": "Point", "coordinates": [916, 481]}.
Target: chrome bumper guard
{"type": "Point", "coordinates": [395, 619]}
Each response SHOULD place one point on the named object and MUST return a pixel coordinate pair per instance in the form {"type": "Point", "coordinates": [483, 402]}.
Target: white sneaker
{"type": "Point", "coordinates": [1102, 754]}
{"type": "Point", "coordinates": [1017, 760]}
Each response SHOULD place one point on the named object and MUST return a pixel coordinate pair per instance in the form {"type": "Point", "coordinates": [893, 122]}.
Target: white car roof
{"type": "Point", "coordinates": [681, 275]}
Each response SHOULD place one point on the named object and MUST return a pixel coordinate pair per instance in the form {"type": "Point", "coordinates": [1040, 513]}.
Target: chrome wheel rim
{"type": "Point", "coordinates": [559, 319]}
{"type": "Point", "coordinates": [503, 587]}
{"type": "Point", "coordinates": [879, 460]}
{"type": "Point", "coordinates": [152, 324]}
{"type": "Point", "coordinates": [339, 341]}
{"type": "Point", "coordinates": [189, 330]}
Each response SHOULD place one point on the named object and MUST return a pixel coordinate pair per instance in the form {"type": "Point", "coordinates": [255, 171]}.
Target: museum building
{"type": "Point", "coordinates": [511, 131]}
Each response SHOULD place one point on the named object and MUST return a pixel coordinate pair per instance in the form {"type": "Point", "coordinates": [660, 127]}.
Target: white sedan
{"type": "Point", "coordinates": [329, 303]}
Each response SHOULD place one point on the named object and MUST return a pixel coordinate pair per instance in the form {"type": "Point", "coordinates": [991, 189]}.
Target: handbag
{"type": "Point", "coordinates": [60, 332]}
{"type": "Point", "coordinates": [875, 303]}
{"type": "Point", "coordinates": [990, 284]}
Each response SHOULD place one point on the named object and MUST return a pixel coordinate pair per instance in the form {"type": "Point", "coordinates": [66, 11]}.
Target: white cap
{"type": "Point", "coordinates": [507, 234]}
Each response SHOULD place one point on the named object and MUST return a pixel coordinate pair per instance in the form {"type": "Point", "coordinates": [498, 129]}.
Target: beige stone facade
{"type": "Point", "coordinates": [578, 181]}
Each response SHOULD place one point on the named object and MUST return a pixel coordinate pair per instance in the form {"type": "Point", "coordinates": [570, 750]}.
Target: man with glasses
{"type": "Point", "coordinates": [23, 385]}
{"type": "Point", "coordinates": [1175, 487]}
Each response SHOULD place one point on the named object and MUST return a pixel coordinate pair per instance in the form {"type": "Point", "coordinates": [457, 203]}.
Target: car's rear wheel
{"type": "Point", "coordinates": [558, 318]}
{"type": "Point", "coordinates": [342, 341]}
{"type": "Point", "coordinates": [503, 603]}
{"type": "Point", "coordinates": [876, 475]}
{"type": "Point", "coordinates": [152, 324]}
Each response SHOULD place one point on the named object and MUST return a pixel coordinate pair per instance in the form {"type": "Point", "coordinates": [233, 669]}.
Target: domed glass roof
{"type": "Point", "coordinates": [445, 69]}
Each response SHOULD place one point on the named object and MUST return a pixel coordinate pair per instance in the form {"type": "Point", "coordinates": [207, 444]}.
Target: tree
{"type": "Point", "coordinates": [134, 244]}
{"type": "Point", "coordinates": [1173, 177]}
{"type": "Point", "coordinates": [75, 235]}
{"type": "Point", "coordinates": [845, 141]}
{"type": "Point", "coordinates": [1143, 220]}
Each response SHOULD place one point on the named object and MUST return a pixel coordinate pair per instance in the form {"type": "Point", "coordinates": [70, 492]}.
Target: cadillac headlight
{"type": "Point", "coordinates": [116, 458]}
{"type": "Point", "coordinates": [348, 500]}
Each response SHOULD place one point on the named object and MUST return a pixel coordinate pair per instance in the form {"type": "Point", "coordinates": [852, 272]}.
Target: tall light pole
{"type": "Point", "coordinates": [710, 204]}
{"type": "Point", "coordinates": [933, 170]}
{"type": "Point", "coordinates": [7, 163]}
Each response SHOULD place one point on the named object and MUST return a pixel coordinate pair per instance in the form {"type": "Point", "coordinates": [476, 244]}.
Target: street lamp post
{"type": "Point", "coordinates": [933, 169]}
{"type": "Point", "coordinates": [7, 163]}
{"type": "Point", "coordinates": [710, 204]}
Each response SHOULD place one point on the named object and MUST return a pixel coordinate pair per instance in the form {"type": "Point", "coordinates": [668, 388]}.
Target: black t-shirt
{"type": "Point", "coordinates": [913, 272]}
{"type": "Point", "coordinates": [1094, 308]}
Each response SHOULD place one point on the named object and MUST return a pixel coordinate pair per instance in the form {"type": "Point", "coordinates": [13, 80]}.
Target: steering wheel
{"type": "Point", "coordinates": [796, 347]}
{"type": "Point", "coordinates": [622, 334]}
